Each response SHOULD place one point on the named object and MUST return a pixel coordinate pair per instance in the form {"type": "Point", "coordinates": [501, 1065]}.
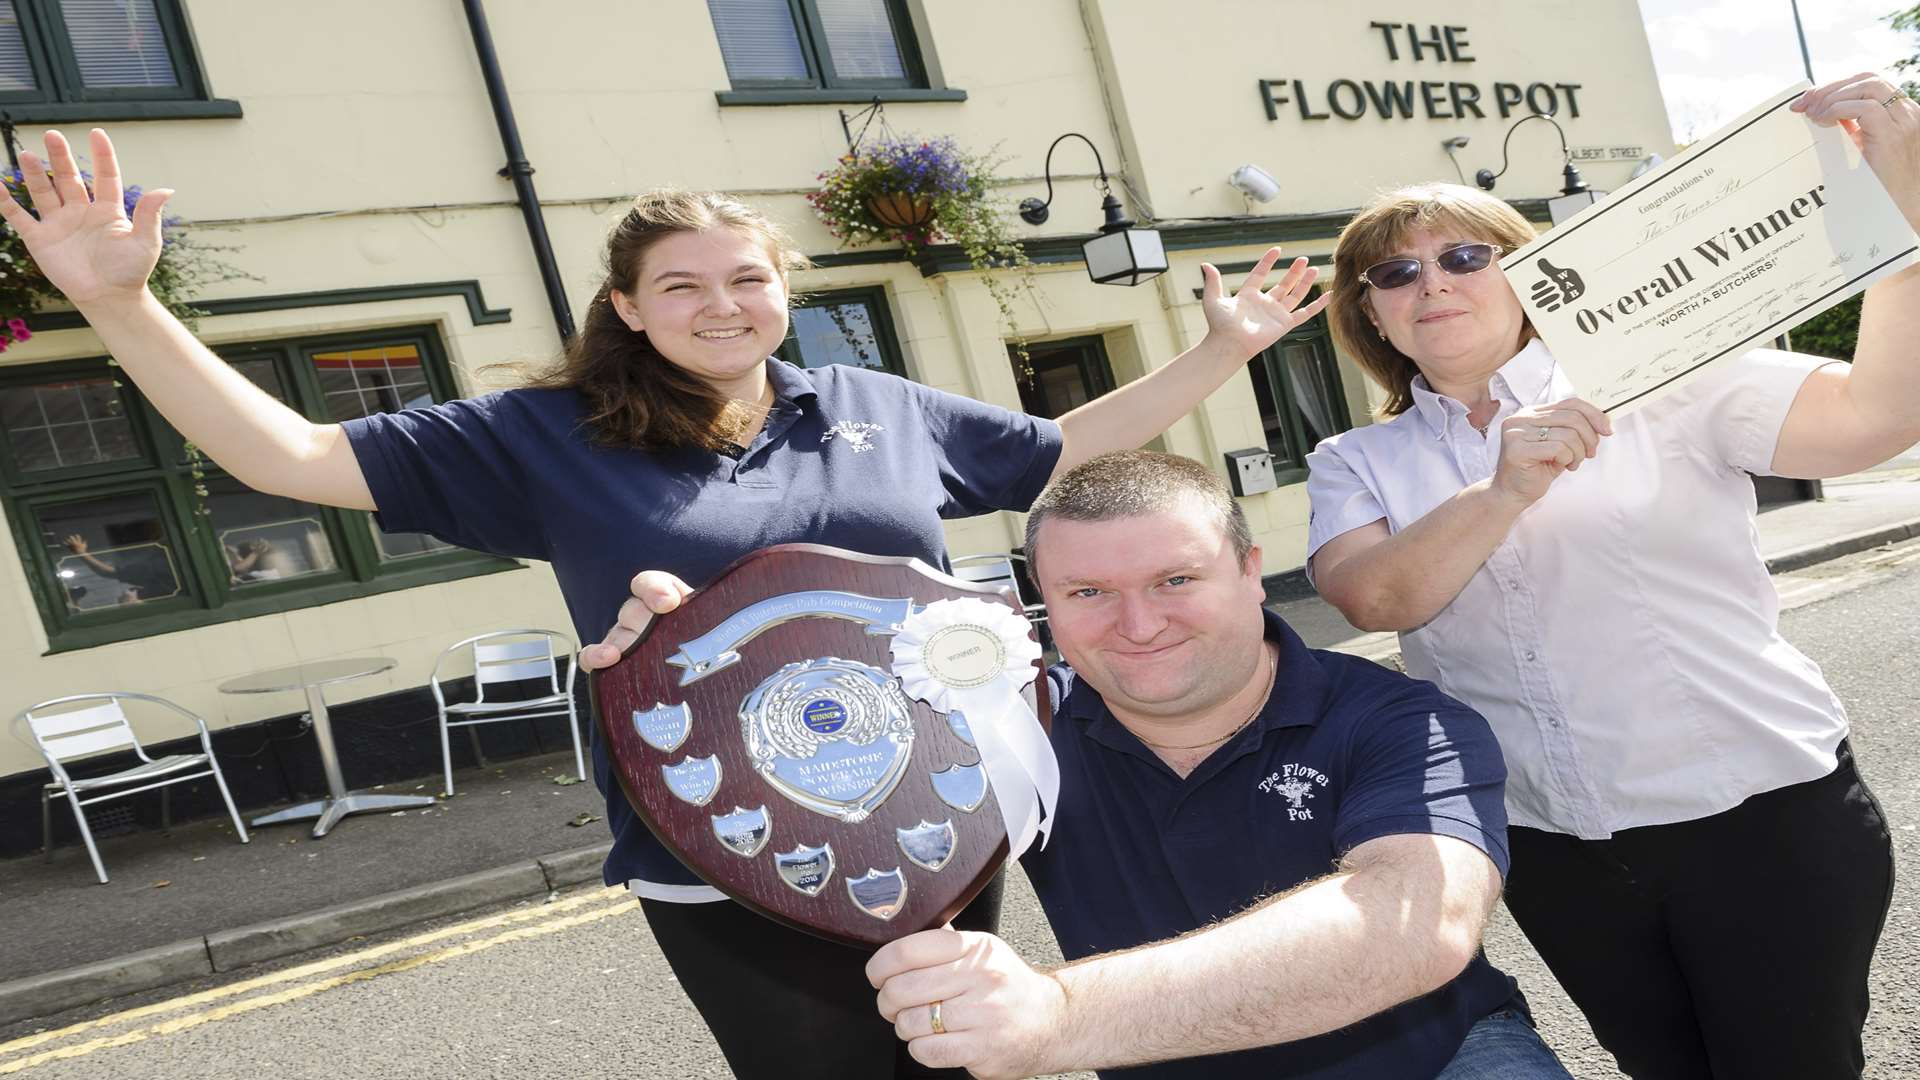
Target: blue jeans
{"type": "Point", "coordinates": [1504, 1046]}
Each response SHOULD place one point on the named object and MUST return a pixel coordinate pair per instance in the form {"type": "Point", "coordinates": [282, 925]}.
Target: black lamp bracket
{"type": "Point", "coordinates": [1486, 177]}
{"type": "Point", "coordinates": [1034, 211]}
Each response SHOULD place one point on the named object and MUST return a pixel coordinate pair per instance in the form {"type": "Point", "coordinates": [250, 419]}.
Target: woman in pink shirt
{"type": "Point", "coordinates": [1694, 855]}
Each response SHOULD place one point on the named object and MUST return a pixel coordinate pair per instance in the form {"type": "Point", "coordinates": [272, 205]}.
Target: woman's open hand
{"type": "Point", "coordinates": [1255, 317]}
{"type": "Point", "coordinates": [84, 243]}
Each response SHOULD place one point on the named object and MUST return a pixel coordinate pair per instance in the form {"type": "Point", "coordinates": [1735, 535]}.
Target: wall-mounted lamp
{"type": "Point", "coordinates": [1575, 195]}
{"type": "Point", "coordinates": [1457, 142]}
{"type": "Point", "coordinates": [1255, 183]}
{"type": "Point", "coordinates": [1121, 254]}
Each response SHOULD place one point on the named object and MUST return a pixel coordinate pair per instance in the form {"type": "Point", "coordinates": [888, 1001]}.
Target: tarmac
{"type": "Point", "coordinates": [193, 902]}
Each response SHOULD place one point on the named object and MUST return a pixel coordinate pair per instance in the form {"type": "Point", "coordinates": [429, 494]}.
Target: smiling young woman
{"type": "Point", "coordinates": [669, 438]}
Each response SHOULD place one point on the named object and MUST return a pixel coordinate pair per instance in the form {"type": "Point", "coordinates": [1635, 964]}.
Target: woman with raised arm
{"type": "Point", "coordinates": [668, 440]}
{"type": "Point", "coordinates": [1694, 855]}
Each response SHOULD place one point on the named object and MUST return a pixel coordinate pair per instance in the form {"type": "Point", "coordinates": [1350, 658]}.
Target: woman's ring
{"type": "Point", "coordinates": [1888, 104]}
{"type": "Point", "coordinates": [933, 1014]}
{"type": "Point", "coordinates": [1541, 434]}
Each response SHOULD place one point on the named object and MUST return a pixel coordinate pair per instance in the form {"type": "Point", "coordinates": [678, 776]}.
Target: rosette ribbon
{"type": "Point", "coordinates": [974, 657]}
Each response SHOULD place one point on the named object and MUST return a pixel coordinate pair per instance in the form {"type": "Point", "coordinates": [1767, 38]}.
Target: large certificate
{"type": "Point", "coordinates": [1754, 230]}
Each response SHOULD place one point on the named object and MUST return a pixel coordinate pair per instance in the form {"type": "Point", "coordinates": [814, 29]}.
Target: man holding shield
{"type": "Point", "coordinates": [1270, 861]}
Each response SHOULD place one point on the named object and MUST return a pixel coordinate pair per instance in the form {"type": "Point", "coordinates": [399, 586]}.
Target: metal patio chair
{"type": "Point", "coordinates": [63, 734]}
{"type": "Point", "coordinates": [997, 569]}
{"type": "Point", "coordinates": [506, 656]}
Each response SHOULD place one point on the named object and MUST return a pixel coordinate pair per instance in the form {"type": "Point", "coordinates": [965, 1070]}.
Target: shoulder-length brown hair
{"type": "Point", "coordinates": [637, 398]}
{"type": "Point", "coordinates": [1376, 233]}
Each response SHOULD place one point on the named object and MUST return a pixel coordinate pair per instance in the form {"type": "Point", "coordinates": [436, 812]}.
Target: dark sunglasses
{"type": "Point", "coordinates": [1404, 271]}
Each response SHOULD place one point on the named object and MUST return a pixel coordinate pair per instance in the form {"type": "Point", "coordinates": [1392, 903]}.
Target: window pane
{"type": "Point", "coordinates": [861, 38]}
{"type": "Point", "coordinates": [110, 551]}
{"type": "Point", "coordinates": [836, 334]}
{"type": "Point", "coordinates": [1279, 442]}
{"type": "Point", "coordinates": [361, 382]}
{"type": "Point", "coordinates": [263, 374]}
{"type": "Point", "coordinates": [758, 39]}
{"type": "Point", "coordinates": [1313, 387]}
{"type": "Point", "coordinates": [16, 71]}
{"type": "Point", "coordinates": [406, 545]}
{"type": "Point", "coordinates": [118, 43]}
{"type": "Point", "coordinates": [61, 425]}
{"type": "Point", "coordinates": [265, 537]}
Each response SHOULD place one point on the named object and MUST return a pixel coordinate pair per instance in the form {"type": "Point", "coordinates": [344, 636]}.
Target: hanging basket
{"type": "Point", "coordinates": [899, 210]}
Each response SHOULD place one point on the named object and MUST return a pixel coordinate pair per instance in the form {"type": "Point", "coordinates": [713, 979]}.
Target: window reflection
{"type": "Point", "coordinates": [836, 334]}
{"type": "Point", "coordinates": [109, 551]}
{"type": "Point", "coordinates": [265, 537]}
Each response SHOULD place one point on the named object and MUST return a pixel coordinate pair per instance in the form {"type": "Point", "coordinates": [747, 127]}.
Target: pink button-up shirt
{"type": "Point", "coordinates": [1623, 640]}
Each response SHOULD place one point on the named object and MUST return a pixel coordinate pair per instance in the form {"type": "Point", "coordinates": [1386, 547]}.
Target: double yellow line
{"type": "Point", "coordinates": [309, 979]}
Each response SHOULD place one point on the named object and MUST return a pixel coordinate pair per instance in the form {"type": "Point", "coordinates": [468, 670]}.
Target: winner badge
{"type": "Point", "coordinates": [848, 744]}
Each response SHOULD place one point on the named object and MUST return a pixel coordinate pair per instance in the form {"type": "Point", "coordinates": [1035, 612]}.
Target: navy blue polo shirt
{"type": "Point", "coordinates": [1345, 751]}
{"type": "Point", "coordinates": [853, 458]}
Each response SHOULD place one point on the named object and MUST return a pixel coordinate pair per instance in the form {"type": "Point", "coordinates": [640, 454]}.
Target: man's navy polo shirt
{"type": "Point", "coordinates": [853, 458]}
{"type": "Point", "coordinates": [1344, 752]}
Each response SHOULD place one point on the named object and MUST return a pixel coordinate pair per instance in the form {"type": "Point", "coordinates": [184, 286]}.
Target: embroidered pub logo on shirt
{"type": "Point", "coordinates": [857, 434]}
{"type": "Point", "coordinates": [1295, 783]}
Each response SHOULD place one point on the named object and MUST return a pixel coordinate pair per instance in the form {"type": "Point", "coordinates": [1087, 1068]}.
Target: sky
{"type": "Point", "coordinates": [1718, 58]}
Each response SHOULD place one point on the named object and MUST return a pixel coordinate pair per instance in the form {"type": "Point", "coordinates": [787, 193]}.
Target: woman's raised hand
{"type": "Point", "coordinates": [1256, 317]}
{"type": "Point", "coordinates": [85, 244]}
{"type": "Point", "coordinates": [1884, 123]}
{"type": "Point", "coordinates": [1539, 443]}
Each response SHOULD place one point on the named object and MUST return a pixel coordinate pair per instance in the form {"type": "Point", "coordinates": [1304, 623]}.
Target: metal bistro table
{"type": "Point", "coordinates": [311, 677]}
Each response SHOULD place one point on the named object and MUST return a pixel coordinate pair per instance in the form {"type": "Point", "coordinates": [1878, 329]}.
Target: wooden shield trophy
{"type": "Point", "coordinates": [841, 742]}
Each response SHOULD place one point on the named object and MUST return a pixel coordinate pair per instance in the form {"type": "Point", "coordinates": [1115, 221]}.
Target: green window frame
{"type": "Point", "coordinates": [843, 326]}
{"type": "Point", "coordinates": [803, 39]}
{"type": "Point", "coordinates": [1297, 384]}
{"type": "Point", "coordinates": [49, 56]}
{"type": "Point", "coordinates": [213, 531]}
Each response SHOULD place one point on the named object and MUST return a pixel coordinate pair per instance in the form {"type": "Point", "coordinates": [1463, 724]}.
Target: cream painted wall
{"type": "Point", "coordinates": [1189, 87]}
{"type": "Point", "coordinates": [368, 155]}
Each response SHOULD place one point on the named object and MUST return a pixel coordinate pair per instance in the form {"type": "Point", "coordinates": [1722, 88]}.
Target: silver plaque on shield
{"type": "Point", "coordinates": [879, 895]}
{"type": "Point", "coordinates": [832, 735]}
{"type": "Point", "coordinates": [805, 869]}
{"type": "Point", "coordinates": [927, 845]}
{"type": "Point", "coordinates": [694, 780]}
{"type": "Point", "coordinates": [664, 727]}
{"type": "Point", "coordinates": [957, 721]}
{"type": "Point", "coordinates": [963, 787]}
{"type": "Point", "coordinates": [743, 832]}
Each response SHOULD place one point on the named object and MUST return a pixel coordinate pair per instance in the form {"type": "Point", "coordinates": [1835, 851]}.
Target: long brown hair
{"type": "Point", "coordinates": [637, 398]}
{"type": "Point", "coordinates": [1375, 233]}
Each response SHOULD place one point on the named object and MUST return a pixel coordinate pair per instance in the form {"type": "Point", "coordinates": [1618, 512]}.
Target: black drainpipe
{"type": "Point", "coordinates": [519, 169]}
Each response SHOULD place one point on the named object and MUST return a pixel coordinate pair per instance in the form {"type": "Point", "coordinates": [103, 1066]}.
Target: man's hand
{"type": "Point", "coordinates": [1001, 1018]}
{"type": "Point", "coordinates": [76, 544]}
{"type": "Point", "coordinates": [655, 592]}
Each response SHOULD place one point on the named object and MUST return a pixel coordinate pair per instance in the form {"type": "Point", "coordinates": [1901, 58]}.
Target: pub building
{"type": "Point", "coordinates": [382, 257]}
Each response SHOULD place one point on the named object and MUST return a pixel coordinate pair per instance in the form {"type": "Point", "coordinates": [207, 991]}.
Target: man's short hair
{"type": "Point", "coordinates": [1130, 483]}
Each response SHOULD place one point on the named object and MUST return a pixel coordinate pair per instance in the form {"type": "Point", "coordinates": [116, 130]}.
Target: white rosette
{"type": "Point", "coordinates": [974, 657]}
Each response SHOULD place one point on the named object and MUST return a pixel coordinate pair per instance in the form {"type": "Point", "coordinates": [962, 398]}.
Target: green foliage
{"type": "Point", "coordinates": [954, 186]}
{"type": "Point", "coordinates": [1832, 333]}
{"type": "Point", "coordinates": [184, 267]}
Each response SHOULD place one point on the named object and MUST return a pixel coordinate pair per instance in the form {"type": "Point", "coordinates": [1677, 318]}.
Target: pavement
{"type": "Point", "coordinates": [193, 902]}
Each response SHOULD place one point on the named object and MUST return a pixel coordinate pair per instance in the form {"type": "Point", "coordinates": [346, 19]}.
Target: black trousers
{"type": "Point", "coordinates": [786, 1004]}
{"type": "Point", "coordinates": [1732, 947]}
